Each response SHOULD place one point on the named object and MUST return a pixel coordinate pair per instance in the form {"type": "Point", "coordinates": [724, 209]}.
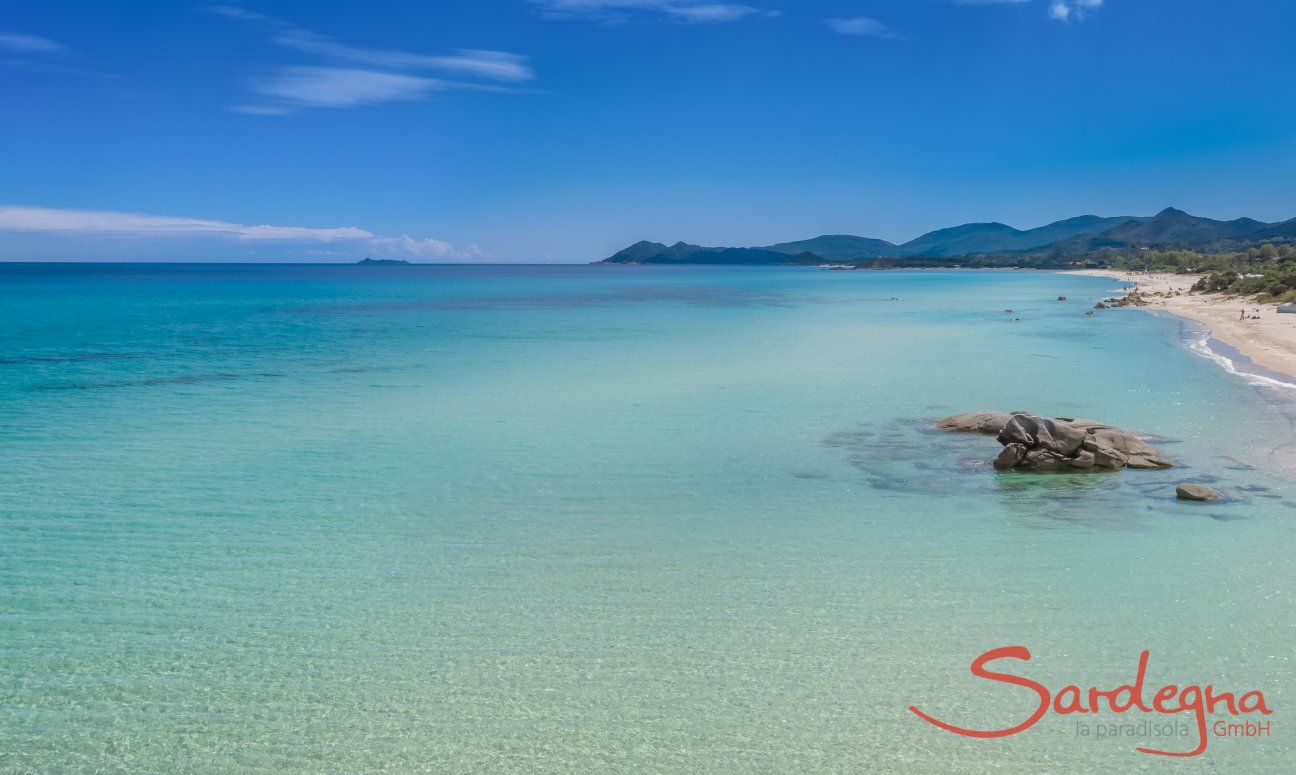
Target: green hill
{"type": "Point", "coordinates": [974, 239]}
{"type": "Point", "coordinates": [838, 247]}
{"type": "Point", "coordinates": [683, 253]}
{"type": "Point", "coordinates": [1174, 228]}
{"type": "Point", "coordinates": [986, 243]}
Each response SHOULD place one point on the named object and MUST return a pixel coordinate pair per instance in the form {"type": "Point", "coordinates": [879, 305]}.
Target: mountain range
{"type": "Point", "coordinates": [1168, 229]}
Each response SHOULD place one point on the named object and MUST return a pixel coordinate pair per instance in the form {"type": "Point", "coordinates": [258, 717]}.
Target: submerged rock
{"type": "Point", "coordinates": [1191, 491]}
{"type": "Point", "coordinates": [1228, 517]}
{"type": "Point", "coordinates": [1036, 443]}
{"type": "Point", "coordinates": [1148, 462]}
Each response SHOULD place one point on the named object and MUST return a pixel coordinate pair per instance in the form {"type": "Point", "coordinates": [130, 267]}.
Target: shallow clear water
{"type": "Point", "coordinates": [354, 519]}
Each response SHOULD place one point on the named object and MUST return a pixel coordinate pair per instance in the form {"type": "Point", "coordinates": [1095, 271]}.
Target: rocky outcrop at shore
{"type": "Point", "coordinates": [1134, 298]}
{"type": "Point", "coordinates": [1137, 298]}
{"type": "Point", "coordinates": [1032, 442]}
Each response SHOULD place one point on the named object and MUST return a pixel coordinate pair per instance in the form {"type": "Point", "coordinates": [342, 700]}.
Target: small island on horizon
{"type": "Point", "coordinates": [382, 262]}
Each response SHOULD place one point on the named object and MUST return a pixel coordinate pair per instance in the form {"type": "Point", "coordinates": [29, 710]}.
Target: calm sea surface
{"type": "Point", "coordinates": [582, 519]}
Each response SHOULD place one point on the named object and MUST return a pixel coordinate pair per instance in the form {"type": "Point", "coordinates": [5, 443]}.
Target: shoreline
{"type": "Point", "coordinates": [1266, 346]}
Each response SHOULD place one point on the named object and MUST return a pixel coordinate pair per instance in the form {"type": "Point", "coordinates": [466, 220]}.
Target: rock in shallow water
{"type": "Point", "coordinates": [1041, 433]}
{"type": "Point", "coordinates": [1011, 456]}
{"type": "Point", "coordinates": [1148, 462]}
{"type": "Point", "coordinates": [1124, 441]}
{"type": "Point", "coordinates": [985, 421]}
{"type": "Point", "coordinates": [1084, 460]}
{"type": "Point", "coordinates": [1036, 443]}
{"type": "Point", "coordinates": [1191, 491]}
{"type": "Point", "coordinates": [1105, 456]}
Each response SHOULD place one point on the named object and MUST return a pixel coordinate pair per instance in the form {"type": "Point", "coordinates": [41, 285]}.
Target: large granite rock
{"type": "Point", "coordinates": [1036, 443]}
{"type": "Point", "coordinates": [1041, 433]}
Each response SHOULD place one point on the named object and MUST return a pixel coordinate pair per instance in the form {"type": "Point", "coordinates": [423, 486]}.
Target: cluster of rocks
{"type": "Point", "coordinates": [1134, 298]}
{"type": "Point", "coordinates": [1035, 443]}
{"type": "Point", "coordinates": [1032, 442]}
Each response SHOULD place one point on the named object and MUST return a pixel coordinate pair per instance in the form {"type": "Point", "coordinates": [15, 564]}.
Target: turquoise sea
{"type": "Point", "coordinates": [595, 519]}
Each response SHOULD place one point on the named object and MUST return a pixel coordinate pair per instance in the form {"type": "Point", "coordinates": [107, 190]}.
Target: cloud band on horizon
{"type": "Point", "coordinates": [131, 225]}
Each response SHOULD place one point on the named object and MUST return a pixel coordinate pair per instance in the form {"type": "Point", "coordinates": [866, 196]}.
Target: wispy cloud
{"type": "Point", "coordinates": [1067, 10]}
{"type": "Point", "coordinates": [28, 45]}
{"type": "Point", "coordinates": [863, 26]}
{"type": "Point", "coordinates": [35, 54]}
{"type": "Point", "coordinates": [335, 87]}
{"type": "Point", "coordinates": [294, 87]}
{"type": "Point", "coordinates": [621, 10]}
{"type": "Point", "coordinates": [1060, 10]}
{"type": "Point", "coordinates": [109, 223]}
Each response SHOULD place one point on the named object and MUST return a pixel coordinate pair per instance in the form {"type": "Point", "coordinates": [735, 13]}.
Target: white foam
{"type": "Point", "coordinates": [1199, 342]}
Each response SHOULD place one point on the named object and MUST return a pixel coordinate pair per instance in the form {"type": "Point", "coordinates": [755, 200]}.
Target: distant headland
{"type": "Point", "coordinates": [1087, 240]}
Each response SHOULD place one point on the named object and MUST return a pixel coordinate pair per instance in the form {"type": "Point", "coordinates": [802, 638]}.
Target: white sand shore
{"type": "Point", "coordinates": [1269, 341]}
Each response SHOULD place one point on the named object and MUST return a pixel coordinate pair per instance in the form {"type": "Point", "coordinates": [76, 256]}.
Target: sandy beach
{"type": "Point", "coordinates": [1270, 341]}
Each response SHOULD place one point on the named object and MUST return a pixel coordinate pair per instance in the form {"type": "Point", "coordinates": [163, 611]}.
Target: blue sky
{"type": "Point", "coordinates": [562, 130]}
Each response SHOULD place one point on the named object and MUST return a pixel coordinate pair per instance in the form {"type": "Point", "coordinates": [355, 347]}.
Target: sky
{"type": "Point", "coordinates": [564, 130]}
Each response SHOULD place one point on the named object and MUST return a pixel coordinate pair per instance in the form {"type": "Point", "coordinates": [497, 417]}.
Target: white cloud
{"type": "Point", "coordinates": [109, 223]}
{"type": "Point", "coordinates": [407, 246]}
{"type": "Point", "coordinates": [617, 10]}
{"type": "Point", "coordinates": [1060, 10]}
{"type": "Point", "coordinates": [499, 65]}
{"type": "Point", "coordinates": [291, 88]}
{"type": "Point", "coordinates": [336, 87]}
{"type": "Point", "coordinates": [862, 26]}
{"type": "Point", "coordinates": [494, 65]}
{"type": "Point", "coordinates": [254, 109]}
{"type": "Point", "coordinates": [17, 43]}
{"type": "Point", "coordinates": [35, 54]}
{"type": "Point", "coordinates": [1066, 10]}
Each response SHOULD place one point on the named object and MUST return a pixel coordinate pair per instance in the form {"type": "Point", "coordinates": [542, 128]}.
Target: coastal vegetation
{"type": "Point", "coordinates": [1267, 273]}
